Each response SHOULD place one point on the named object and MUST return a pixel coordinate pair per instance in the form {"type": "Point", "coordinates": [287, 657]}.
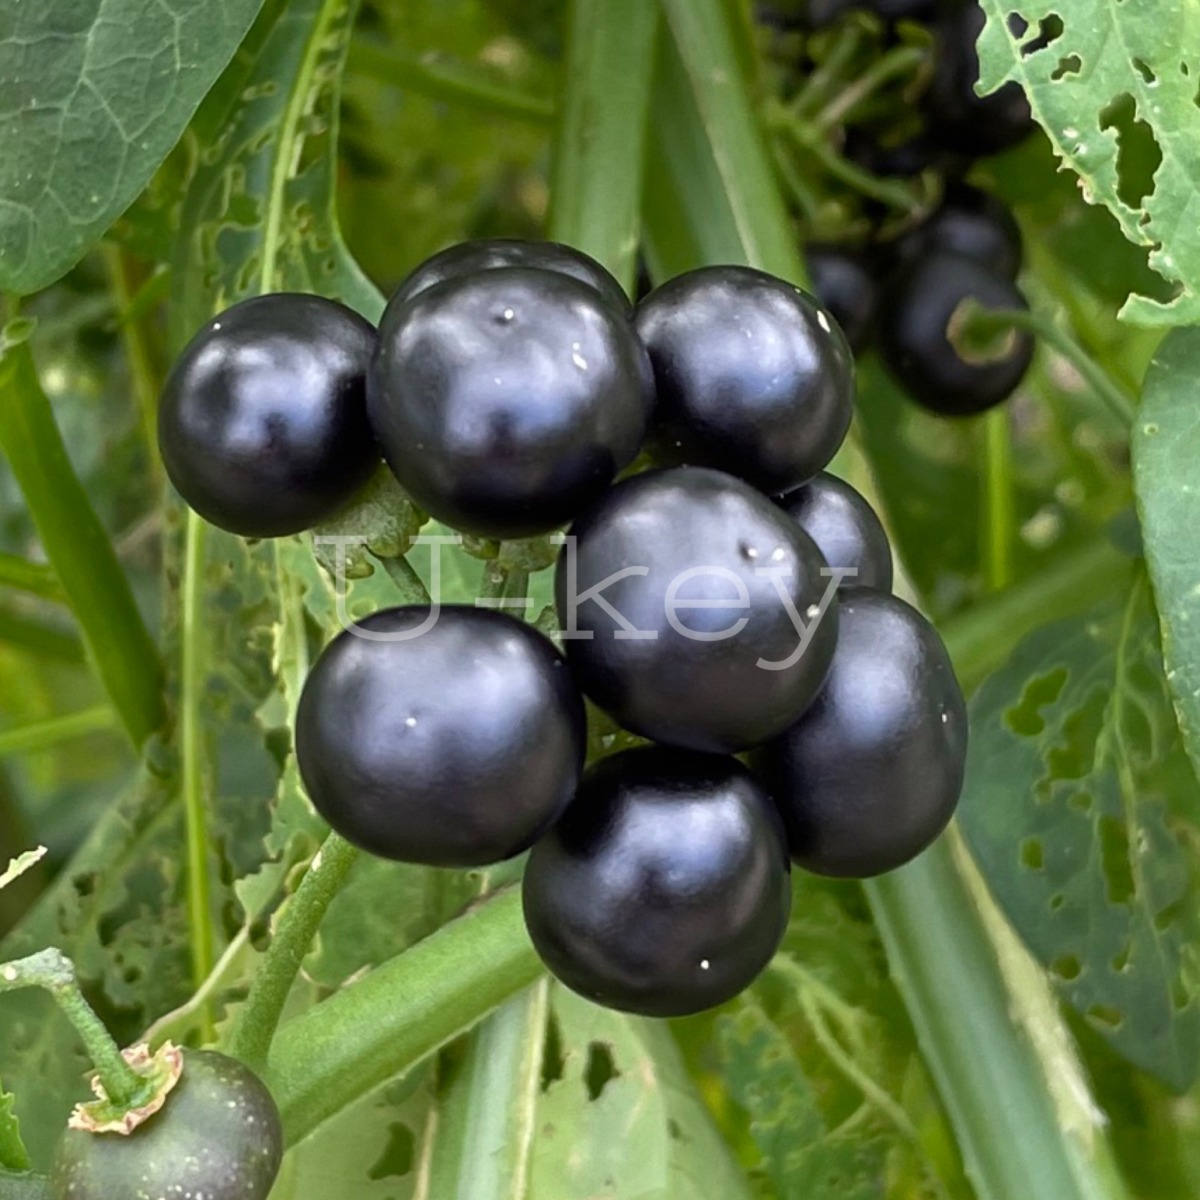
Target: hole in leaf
{"type": "Point", "coordinates": [1024, 718]}
{"type": "Point", "coordinates": [1143, 69]}
{"type": "Point", "coordinates": [1057, 901]}
{"type": "Point", "coordinates": [1069, 64]}
{"type": "Point", "coordinates": [600, 1069]}
{"type": "Point", "coordinates": [1181, 996]}
{"type": "Point", "coordinates": [1120, 960]}
{"type": "Point", "coordinates": [554, 1064]}
{"type": "Point", "coordinates": [1067, 967]}
{"type": "Point", "coordinates": [1138, 155]}
{"type": "Point", "coordinates": [1106, 1015]}
{"type": "Point", "coordinates": [397, 1158]}
{"type": "Point", "coordinates": [1114, 857]}
{"type": "Point", "coordinates": [1073, 755]}
{"type": "Point", "coordinates": [674, 1130]}
{"type": "Point", "coordinates": [1166, 917]}
{"type": "Point", "coordinates": [1031, 854]}
{"type": "Point", "coordinates": [1017, 25]}
{"type": "Point", "coordinates": [1050, 29]}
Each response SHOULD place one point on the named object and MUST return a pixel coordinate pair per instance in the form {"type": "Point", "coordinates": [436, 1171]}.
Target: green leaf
{"type": "Point", "coordinates": [1078, 803]}
{"type": "Point", "coordinates": [95, 94]}
{"type": "Point", "coordinates": [1116, 92]}
{"type": "Point", "coordinates": [799, 1154]}
{"type": "Point", "coordinates": [1166, 449]}
{"type": "Point", "coordinates": [259, 213]}
{"type": "Point", "coordinates": [620, 1120]}
{"type": "Point", "coordinates": [13, 1155]}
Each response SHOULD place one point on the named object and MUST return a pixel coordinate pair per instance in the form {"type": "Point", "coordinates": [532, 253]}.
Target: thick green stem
{"type": "Point", "coordinates": [440, 79]}
{"type": "Point", "coordinates": [998, 511]}
{"type": "Point", "coordinates": [55, 973]}
{"type": "Point", "coordinates": [293, 937]}
{"type": "Point", "coordinates": [193, 773]}
{"type": "Point", "coordinates": [400, 1013]}
{"type": "Point", "coordinates": [596, 181]}
{"type": "Point", "coordinates": [76, 544]}
{"type": "Point", "coordinates": [408, 582]}
{"type": "Point", "coordinates": [41, 735]}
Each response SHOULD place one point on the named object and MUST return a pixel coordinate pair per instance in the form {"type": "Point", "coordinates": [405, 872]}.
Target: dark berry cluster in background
{"type": "Point", "coordinates": [730, 599]}
{"type": "Point", "coordinates": [900, 288]}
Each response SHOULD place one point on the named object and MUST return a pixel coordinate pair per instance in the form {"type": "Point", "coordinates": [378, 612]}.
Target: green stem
{"type": "Point", "coordinates": [999, 507]}
{"type": "Point", "coordinates": [892, 65]}
{"type": "Point", "coordinates": [38, 579]}
{"type": "Point", "coordinates": [456, 83]}
{"type": "Point", "coordinates": [400, 1013]}
{"type": "Point", "coordinates": [408, 582]}
{"type": "Point", "coordinates": [76, 544]}
{"type": "Point", "coordinates": [596, 179]}
{"type": "Point", "coordinates": [1114, 399]}
{"type": "Point", "coordinates": [192, 688]}
{"type": "Point", "coordinates": [55, 973]}
{"type": "Point", "coordinates": [142, 372]}
{"type": "Point", "coordinates": [41, 735]}
{"type": "Point", "coordinates": [707, 48]}
{"type": "Point", "coordinates": [291, 942]}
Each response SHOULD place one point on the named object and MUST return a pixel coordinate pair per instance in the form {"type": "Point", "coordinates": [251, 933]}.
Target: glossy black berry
{"type": "Point", "coordinates": [451, 737]}
{"type": "Point", "coordinates": [845, 529]}
{"type": "Point", "coordinates": [506, 401]}
{"type": "Point", "coordinates": [914, 335]}
{"type": "Point", "coordinates": [844, 282]}
{"type": "Point", "coordinates": [958, 118]}
{"type": "Point", "coordinates": [901, 160]}
{"type": "Point", "coordinates": [664, 889]}
{"type": "Point", "coordinates": [970, 223]}
{"type": "Point", "coordinates": [218, 1135]}
{"type": "Point", "coordinates": [685, 598]}
{"type": "Point", "coordinates": [469, 258]}
{"type": "Point", "coordinates": [871, 774]}
{"type": "Point", "coordinates": [262, 423]}
{"type": "Point", "coordinates": [752, 375]}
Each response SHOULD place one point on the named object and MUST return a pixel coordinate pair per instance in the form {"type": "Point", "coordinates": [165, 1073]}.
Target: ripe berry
{"type": "Point", "coordinates": [262, 424]}
{"type": "Point", "coordinates": [843, 281]}
{"type": "Point", "coordinates": [679, 595]}
{"type": "Point", "coordinates": [970, 223]}
{"type": "Point", "coordinates": [959, 119]}
{"type": "Point", "coordinates": [914, 336]}
{"type": "Point", "coordinates": [506, 401]}
{"type": "Point", "coordinates": [450, 737]}
{"type": "Point", "coordinates": [469, 258]}
{"type": "Point", "coordinates": [664, 889]}
{"type": "Point", "coordinates": [845, 529]}
{"type": "Point", "coordinates": [753, 376]}
{"type": "Point", "coordinates": [871, 774]}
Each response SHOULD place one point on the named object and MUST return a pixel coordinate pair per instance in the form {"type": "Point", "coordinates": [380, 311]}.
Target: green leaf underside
{"type": "Point", "coordinates": [1115, 87]}
{"type": "Point", "coordinates": [1166, 449]}
{"type": "Point", "coordinates": [13, 1156]}
{"type": "Point", "coordinates": [93, 95]}
{"type": "Point", "coordinates": [1078, 801]}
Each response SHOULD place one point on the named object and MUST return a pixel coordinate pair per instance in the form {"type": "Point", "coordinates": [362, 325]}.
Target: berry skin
{"type": "Point", "coordinates": [456, 747]}
{"type": "Point", "coordinates": [218, 1135]}
{"type": "Point", "coordinates": [845, 529]}
{"type": "Point", "coordinates": [506, 401]}
{"type": "Point", "coordinates": [753, 377]}
{"type": "Point", "coordinates": [970, 223]}
{"type": "Point", "coordinates": [700, 560]}
{"type": "Point", "coordinates": [915, 319]}
{"type": "Point", "coordinates": [469, 258]}
{"type": "Point", "coordinates": [664, 889]}
{"type": "Point", "coordinates": [959, 119]}
{"type": "Point", "coordinates": [871, 774]}
{"type": "Point", "coordinates": [262, 424]}
{"type": "Point", "coordinates": [844, 283]}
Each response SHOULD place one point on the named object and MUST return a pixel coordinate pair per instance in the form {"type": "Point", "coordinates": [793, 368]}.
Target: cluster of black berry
{"type": "Point", "coordinates": [905, 288]}
{"type": "Point", "coordinates": [733, 599]}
